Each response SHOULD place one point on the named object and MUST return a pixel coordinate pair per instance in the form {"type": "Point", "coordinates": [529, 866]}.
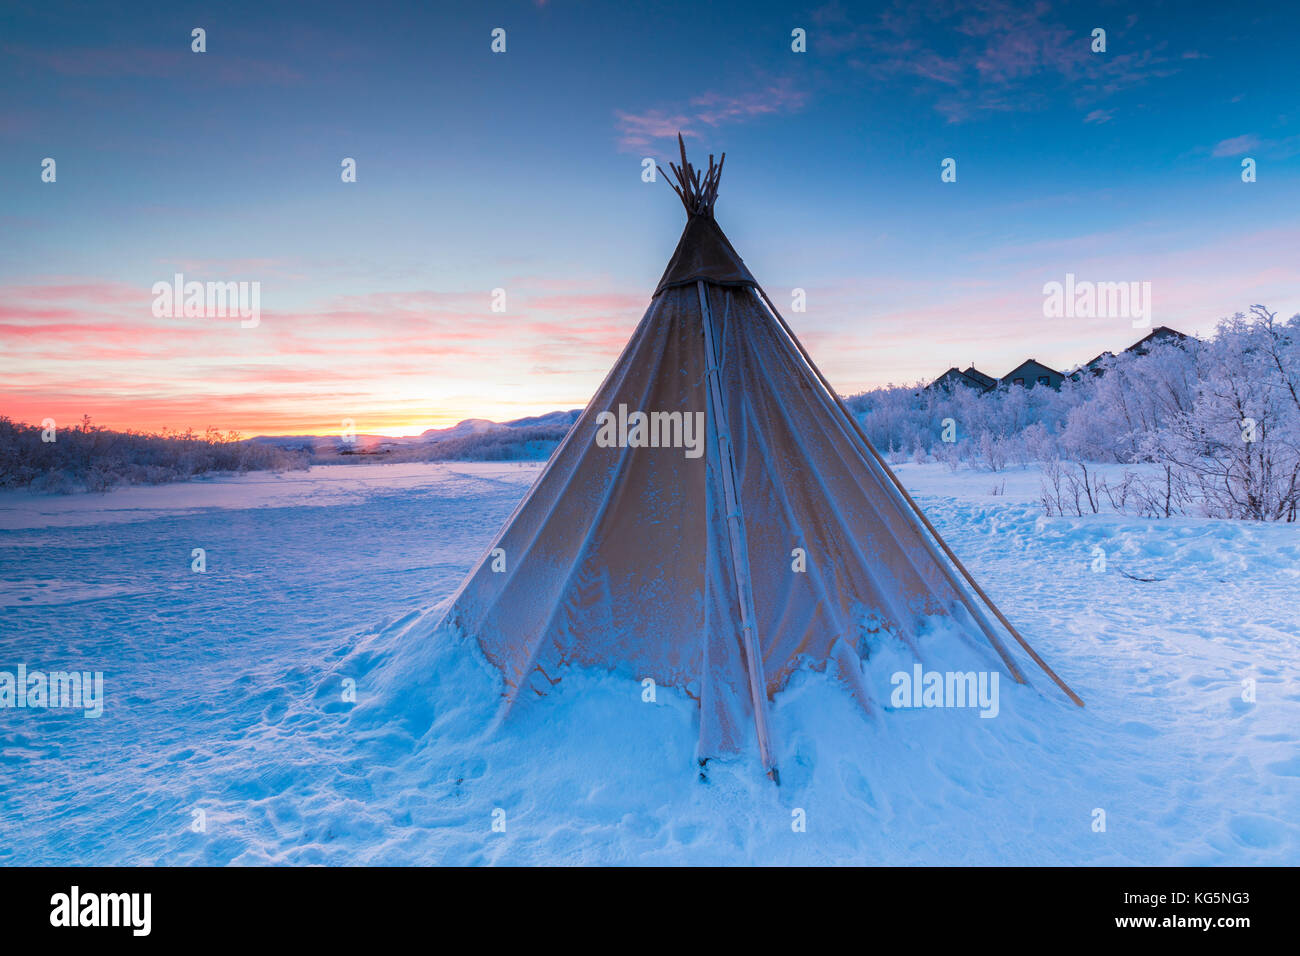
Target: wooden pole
{"type": "Point", "coordinates": [736, 536]}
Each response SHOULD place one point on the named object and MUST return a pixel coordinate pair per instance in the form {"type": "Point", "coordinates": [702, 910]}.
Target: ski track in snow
{"type": "Point", "coordinates": [224, 693]}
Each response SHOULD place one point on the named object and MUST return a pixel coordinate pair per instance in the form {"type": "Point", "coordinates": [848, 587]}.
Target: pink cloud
{"type": "Point", "coordinates": [715, 109]}
{"type": "Point", "coordinates": [591, 302]}
{"type": "Point", "coordinates": [639, 130]}
{"type": "Point", "coordinates": [999, 56]}
{"type": "Point", "coordinates": [1236, 145]}
{"type": "Point", "coordinates": [712, 109]}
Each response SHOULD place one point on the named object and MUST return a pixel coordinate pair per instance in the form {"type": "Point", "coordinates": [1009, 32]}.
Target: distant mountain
{"type": "Point", "coordinates": [469, 426]}
{"type": "Point", "coordinates": [529, 438]}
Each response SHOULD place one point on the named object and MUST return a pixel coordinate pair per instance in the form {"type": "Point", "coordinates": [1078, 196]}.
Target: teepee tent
{"type": "Point", "coordinates": [715, 518]}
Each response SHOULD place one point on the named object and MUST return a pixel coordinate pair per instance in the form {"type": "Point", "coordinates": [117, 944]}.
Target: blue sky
{"type": "Point", "coordinates": [521, 171]}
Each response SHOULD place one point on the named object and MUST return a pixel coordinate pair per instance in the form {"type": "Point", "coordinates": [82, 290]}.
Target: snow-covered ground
{"type": "Point", "coordinates": [224, 694]}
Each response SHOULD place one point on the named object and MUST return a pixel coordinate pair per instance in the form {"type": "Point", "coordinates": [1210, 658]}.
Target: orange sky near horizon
{"type": "Point", "coordinates": [391, 363]}
{"type": "Point", "coordinates": [398, 363]}
{"type": "Point", "coordinates": [147, 417]}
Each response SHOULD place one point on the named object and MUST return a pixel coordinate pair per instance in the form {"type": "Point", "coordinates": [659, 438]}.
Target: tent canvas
{"type": "Point", "coordinates": [717, 559]}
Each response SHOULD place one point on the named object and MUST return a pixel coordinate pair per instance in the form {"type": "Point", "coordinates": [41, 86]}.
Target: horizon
{"type": "Point", "coordinates": [419, 431]}
{"type": "Point", "coordinates": [224, 166]}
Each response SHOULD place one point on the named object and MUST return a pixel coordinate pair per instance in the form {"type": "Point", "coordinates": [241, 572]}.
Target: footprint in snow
{"type": "Point", "coordinates": [1256, 831]}
{"type": "Point", "coordinates": [1286, 768]}
{"type": "Point", "coordinates": [1139, 729]}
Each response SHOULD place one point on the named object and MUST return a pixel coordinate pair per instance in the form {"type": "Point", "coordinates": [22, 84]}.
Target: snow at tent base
{"type": "Point", "coordinates": [224, 693]}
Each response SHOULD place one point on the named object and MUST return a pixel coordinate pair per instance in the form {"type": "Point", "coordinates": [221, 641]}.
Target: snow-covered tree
{"type": "Point", "coordinates": [1238, 444]}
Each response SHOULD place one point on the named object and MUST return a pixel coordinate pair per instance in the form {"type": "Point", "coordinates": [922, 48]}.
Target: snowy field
{"type": "Point", "coordinates": [224, 694]}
